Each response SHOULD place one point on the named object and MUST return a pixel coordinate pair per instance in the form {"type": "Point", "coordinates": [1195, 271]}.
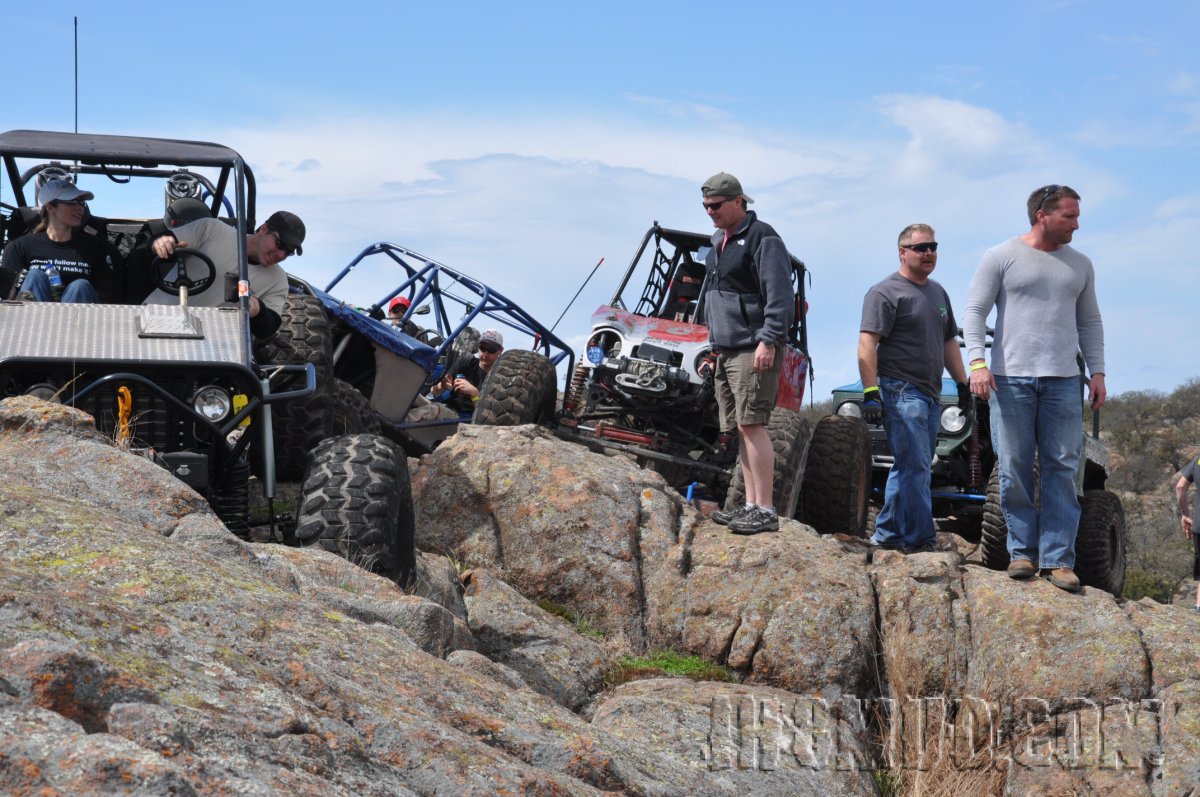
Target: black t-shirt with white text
{"type": "Point", "coordinates": [83, 257]}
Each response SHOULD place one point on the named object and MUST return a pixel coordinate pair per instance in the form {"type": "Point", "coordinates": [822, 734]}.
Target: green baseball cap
{"type": "Point", "coordinates": [723, 184]}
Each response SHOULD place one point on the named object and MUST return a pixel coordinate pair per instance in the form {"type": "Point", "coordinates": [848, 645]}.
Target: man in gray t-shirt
{"type": "Point", "coordinates": [275, 240]}
{"type": "Point", "coordinates": [907, 335]}
{"type": "Point", "coordinates": [1044, 292]}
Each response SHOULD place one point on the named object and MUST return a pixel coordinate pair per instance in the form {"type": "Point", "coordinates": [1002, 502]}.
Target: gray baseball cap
{"type": "Point", "coordinates": [60, 190]}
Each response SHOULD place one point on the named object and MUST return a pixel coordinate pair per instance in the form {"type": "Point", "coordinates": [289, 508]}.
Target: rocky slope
{"type": "Point", "coordinates": [145, 650]}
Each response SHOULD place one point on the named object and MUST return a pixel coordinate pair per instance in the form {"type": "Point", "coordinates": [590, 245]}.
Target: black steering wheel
{"type": "Point", "coordinates": [170, 274]}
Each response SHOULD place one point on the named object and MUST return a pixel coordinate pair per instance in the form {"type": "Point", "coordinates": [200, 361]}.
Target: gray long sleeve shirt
{"type": "Point", "coordinates": [1046, 311]}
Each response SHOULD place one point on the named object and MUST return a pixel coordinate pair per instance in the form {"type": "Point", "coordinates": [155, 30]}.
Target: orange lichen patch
{"type": "Point", "coordinates": [29, 770]}
{"type": "Point", "coordinates": [478, 725]}
{"type": "Point", "coordinates": [592, 768]}
{"type": "Point", "coordinates": [297, 672]}
{"type": "Point", "coordinates": [160, 631]}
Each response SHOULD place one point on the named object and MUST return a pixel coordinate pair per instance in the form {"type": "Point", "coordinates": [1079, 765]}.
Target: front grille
{"type": "Point", "coordinates": [154, 422]}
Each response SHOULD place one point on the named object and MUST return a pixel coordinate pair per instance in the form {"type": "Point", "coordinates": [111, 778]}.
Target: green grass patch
{"type": "Point", "coordinates": [581, 624]}
{"type": "Point", "coordinates": [668, 663]}
{"type": "Point", "coordinates": [888, 783]}
{"type": "Point", "coordinates": [1145, 584]}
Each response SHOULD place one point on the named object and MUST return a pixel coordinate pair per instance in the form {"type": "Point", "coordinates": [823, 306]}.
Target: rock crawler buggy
{"type": "Point", "coordinates": [637, 389]}
{"type": "Point", "coordinates": [185, 386]}
{"type": "Point", "coordinates": [371, 372]}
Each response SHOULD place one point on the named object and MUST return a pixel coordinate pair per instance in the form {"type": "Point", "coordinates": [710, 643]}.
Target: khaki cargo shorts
{"type": "Point", "coordinates": [745, 397]}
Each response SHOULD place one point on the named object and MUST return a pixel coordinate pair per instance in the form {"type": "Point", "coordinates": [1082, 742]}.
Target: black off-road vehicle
{"type": "Point", "coordinates": [185, 386]}
{"type": "Point", "coordinates": [638, 390]}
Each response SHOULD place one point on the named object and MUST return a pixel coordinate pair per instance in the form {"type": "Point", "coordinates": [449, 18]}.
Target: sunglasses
{"type": "Point", "coordinates": [71, 203]}
{"type": "Point", "coordinates": [922, 248]}
{"type": "Point", "coordinates": [489, 348]}
{"type": "Point", "coordinates": [279, 244]}
{"type": "Point", "coordinates": [1047, 192]}
{"type": "Point", "coordinates": [713, 207]}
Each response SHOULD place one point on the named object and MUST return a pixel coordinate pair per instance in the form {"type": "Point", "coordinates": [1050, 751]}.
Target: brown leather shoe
{"type": "Point", "coordinates": [1064, 578]}
{"type": "Point", "coordinates": [1021, 568]}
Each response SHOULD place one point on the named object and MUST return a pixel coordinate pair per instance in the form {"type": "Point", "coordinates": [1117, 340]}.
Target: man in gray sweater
{"type": "Point", "coordinates": [1044, 292]}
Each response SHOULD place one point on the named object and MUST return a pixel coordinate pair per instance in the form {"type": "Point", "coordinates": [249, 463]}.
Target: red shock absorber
{"type": "Point", "coordinates": [571, 401]}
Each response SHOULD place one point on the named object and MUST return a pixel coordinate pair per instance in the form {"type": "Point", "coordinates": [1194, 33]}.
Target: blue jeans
{"type": "Point", "coordinates": [79, 291]}
{"type": "Point", "coordinates": [1042, 416]}
{"type": "Point", "coordinates": [910, 420]}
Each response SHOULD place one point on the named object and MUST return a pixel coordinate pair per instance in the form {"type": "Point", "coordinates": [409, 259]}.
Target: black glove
{"type": "Point", "coordinates": [964, 398]}
{"type": "Point", "coordinates": [872, 407]}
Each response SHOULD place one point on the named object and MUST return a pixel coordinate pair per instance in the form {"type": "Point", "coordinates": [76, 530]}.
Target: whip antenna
{"type": "Point", "coordinates": [76, 74]}
{"type": "Point", "coordinates": [576, 296]}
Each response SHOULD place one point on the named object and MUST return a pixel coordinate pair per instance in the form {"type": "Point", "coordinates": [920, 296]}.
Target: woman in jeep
{"type": "Point", "coordinates": [59, 262]}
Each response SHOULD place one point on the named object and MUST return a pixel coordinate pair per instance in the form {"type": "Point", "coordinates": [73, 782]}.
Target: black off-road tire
{"type": "Point", "coordinates": [356, 501]}
{"type": "Point", "coordinates": [1100, 542]}
{"type": "Point", "coordinates": [790, 437]}
{"type": "Point", "coordinates": [229, 497]}
{"type": "Point", "coordinates": [520, 389]}
{"type": "Point", "coordinates": [993, 529]}
{"type": "Point", "coordinates": [837, 478]}
{"type": "Point", "coordinates": [352, 413]}
{"type": "Point", "coordinates": [303, 337]}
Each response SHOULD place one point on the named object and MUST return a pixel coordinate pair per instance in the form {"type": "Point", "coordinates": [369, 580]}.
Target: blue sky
{"type": "Point", "coordinates": [522, 142]}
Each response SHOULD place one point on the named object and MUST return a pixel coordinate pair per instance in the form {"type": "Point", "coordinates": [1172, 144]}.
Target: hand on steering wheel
{"type": "Point", "coordinates": [170, 274]}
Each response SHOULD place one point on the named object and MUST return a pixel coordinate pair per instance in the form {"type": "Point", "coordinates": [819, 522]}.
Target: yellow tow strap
{"type": "Point", "coordinates": [124, 412]}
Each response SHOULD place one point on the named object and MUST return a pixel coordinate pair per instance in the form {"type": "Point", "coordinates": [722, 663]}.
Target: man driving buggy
{"type": "Point", "coordinates": [273, 242]}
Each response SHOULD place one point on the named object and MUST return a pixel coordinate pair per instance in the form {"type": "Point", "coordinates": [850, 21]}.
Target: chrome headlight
{"type": "Point", "coordinates": [850, 409]}
{"type": "Point", "coordinates": [213, 403]}
{"type": "Point", "coordinates": [44, 391]}
{"type": "Point", "coordinates": [953, 421]}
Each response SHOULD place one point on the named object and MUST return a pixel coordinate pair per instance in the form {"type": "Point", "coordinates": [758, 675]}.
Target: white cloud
{"type": "Point", "coordinates": [529, 203]}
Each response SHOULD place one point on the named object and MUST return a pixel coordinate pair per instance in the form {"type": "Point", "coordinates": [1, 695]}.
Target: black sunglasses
{"type": "Point", "coordinates": [490, 348]}
{"type": "Point", "coordinates": [714, 206]}
{"type": "Point", "coordinates": [922, 248]}
{"type": "Point", "coordinates": [281, 246]}
{"type": "Point", "coordinates": [1047, 192]}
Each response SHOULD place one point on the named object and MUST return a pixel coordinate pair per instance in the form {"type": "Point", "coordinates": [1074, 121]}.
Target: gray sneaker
{"type": "Point", "coordinates": [756, 521]}
{"type": "Point", "coordinates": [26, 296]}
{"type": "Point", "coordinates": [723, 518]}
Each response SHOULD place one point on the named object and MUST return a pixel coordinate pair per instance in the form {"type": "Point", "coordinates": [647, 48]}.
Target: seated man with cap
{"type": "Point", "coordinates": [268, 246]}
{"type": "Point", "coordinates": [470, 372]}
{"type": "Point", "coordinates": [59, 261]}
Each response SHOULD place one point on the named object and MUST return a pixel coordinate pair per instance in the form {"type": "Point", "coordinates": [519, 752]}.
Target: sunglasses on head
{"type": "Point", "coordinates": [490, 348]}
{"type": "Point", "coordinates": [1047, 192]}
{"type": "Point", "coordinates": [922, 248]}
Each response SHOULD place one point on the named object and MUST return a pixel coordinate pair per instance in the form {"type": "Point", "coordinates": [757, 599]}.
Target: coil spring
{"type": "Point", "coordinates": [577, 380]}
